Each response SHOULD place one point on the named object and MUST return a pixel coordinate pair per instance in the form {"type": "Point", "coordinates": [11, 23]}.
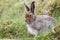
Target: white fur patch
{"type": "Point", "coordinates": [31, 30]}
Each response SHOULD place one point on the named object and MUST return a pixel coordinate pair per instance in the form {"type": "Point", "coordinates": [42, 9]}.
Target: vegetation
{"type": "Point", "coordinates": [12, 25]}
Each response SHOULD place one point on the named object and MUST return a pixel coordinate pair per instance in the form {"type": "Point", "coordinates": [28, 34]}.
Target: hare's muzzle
{"type": "Point", "coordinates": [27, 20]}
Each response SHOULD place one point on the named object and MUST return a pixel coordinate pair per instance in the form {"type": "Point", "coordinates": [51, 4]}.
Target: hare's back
{"type": "Point", "coordinates": [45, 18]}
{"type": "Point", "coordinates": [45, 21]}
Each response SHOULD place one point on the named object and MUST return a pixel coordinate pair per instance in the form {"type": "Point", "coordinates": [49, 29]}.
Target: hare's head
{"type": "Point", "coordinates": [30, 16]}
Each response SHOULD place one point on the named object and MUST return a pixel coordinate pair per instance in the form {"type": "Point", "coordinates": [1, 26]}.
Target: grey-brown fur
{"type": "Point", "coordinates": [38, 23]}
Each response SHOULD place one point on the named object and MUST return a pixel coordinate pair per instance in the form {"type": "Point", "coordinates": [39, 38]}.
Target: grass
{"type": "Point", "coordinates": [12, 25]}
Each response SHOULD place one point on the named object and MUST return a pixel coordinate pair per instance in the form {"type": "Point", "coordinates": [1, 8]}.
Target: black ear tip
{"type": "Point", "coordinates": [33, 2]}
{"type": "Point", "coordinates": [26, 7]}
{"type": "Point", "coordinates": [24, 4]}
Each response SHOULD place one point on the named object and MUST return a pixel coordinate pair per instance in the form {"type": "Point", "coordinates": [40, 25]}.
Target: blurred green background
{"type": "Point", "coordinates": [12, 12]}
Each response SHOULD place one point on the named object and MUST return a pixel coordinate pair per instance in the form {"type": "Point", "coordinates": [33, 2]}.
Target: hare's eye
{"type": "Point", "coordinates": [30, 15]}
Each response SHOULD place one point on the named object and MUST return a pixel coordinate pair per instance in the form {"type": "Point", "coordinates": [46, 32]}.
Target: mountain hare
{"type": "Point", "coordinates": [37, 23]}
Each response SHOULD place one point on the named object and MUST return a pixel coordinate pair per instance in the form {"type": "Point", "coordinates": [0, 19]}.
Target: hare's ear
{"type": "Point", "coordinates": [32, 7]}
{"type": "Point", "coordinates": [26, 7]}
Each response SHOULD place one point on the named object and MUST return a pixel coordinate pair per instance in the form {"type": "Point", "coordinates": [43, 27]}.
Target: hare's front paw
{"type": "Point", "coordinates": [28, 34]}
